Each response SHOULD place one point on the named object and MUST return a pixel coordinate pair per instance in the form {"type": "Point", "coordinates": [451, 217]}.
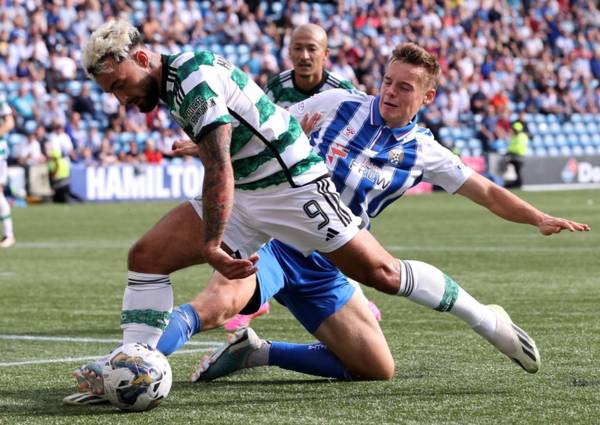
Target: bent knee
{"type": "Point", "coordinates": [379, 372]}
{"type": "Point", "coordinates": [384, 278]}
{"type": "Point", "coordinates": [142, 255]}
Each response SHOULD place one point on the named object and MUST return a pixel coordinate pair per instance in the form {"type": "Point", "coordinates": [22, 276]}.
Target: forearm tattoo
{"type": "Point", "coordinates": [217, 190]}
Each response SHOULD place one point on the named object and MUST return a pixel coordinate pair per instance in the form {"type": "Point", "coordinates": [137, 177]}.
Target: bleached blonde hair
{"type": "Point", "coordinates": [116, 38]}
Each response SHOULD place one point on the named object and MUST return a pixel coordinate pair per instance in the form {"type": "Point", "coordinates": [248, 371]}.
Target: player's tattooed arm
{"type": "Point", "coordinates": [217, 190]}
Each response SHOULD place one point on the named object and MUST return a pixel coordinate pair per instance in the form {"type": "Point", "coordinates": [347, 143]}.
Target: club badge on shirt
{"type": "Point", "coordinates": [395, 156]}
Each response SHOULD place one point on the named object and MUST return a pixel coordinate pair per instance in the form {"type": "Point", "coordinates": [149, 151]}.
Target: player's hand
{"type": "Point", "coordinates": [551, 225]}
{"type": "Point", "coordinates": [185, 148]}
{"type": "Point", "coordinates": [231, 268]}
{"type": "Point", "coordinates": [309, 122]}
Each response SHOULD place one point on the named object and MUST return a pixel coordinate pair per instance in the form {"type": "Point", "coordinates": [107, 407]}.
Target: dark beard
{"type": "Point", "coordinates": [150, 101]}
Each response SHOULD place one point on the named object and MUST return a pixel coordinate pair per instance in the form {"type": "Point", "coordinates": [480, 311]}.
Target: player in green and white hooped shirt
{"type": "Point", "coordinates": [7, 123]}
{"type": "Point", "coordinates": [309, 52]}
{"type": "Point", "coordinates": [262, 180]}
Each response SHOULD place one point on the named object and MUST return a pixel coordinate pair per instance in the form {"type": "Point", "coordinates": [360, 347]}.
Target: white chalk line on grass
{"type": "Point", "coordinates": [205, 344]}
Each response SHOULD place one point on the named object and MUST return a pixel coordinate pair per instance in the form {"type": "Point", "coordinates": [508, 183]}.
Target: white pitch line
{"type": "Point", "coordinates": [76, 339]}
{"type": "Point", "coordinates": [205, 344]}
{"type": "Point", "coordinates": [82, 359]}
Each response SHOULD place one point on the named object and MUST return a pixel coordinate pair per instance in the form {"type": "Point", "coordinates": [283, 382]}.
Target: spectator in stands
{"type": "Point", "coordinates": [83, 103]}
{"type": "Point", "coordinates": [516, 152]}
{"type": "Point", "coordinates": [24, 105]}
{"type": "Point", "coordinates": [151, 155]}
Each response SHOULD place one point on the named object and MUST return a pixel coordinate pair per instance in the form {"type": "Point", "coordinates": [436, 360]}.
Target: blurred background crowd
{"type": "Point", "coordinates": [503, 60]}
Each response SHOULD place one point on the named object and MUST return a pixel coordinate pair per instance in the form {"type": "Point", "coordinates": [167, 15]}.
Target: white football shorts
{"type": "Point", "coordinates": [309, 218]}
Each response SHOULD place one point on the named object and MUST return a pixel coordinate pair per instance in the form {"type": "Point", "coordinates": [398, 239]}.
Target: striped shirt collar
{"type": "Point", "coordinates": [377, 119]}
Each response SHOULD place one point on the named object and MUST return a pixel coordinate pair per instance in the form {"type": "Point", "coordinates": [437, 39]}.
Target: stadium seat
{"type": "Point", "coordinates": [541, 151]}
{"type": "Point", "coordinates": [543, 128]}
{"type": "Point", "coordinates": [585, 139]}
{"type": "Point", "coordinates": [579, 127]}
{"type": "Point", "coordinates": [553, 151]}
{"type": "Point", "coordinates": [565, 151]}
{"type": "Point", "coordinates": [551, 118]}
{"type": "Point", "coordinates": [549, 140]}
{"type": "Point", "coordinates": [30, 126]}
{"type": "Point", "coordinates": [590, 150]}
{"type": "Point", "coordinates": [577, 150]}
{"type": "Point", "coordinates": [444, 132]}
{"type": "Point", "coordinates": [592, 127]}
{"type": "Point", "coordinates": [568, 127]}
{"type": "Point", "coordinates": [576, 118]}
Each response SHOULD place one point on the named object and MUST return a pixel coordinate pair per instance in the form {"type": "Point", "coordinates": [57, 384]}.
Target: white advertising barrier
{"type": "Point", "coordinates": [571, 172]}
{"type": "Point", "coordinates": [137, 182]}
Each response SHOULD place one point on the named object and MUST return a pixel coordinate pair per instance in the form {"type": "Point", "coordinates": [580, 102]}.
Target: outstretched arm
{"type": "Point", "coordinates": [217, 201]}
{"type": "Point", "coordinates": [510, 207]}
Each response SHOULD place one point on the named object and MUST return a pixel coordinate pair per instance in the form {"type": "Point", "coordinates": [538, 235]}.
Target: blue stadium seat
{"type": "Point", "coordinates": [532, 128]}
{"type": "Point", "coordinates": [74, 87]}
{"type": "Point", "coordinates": [585, 139]}
{"type": "Point", "coordinates": [568, 127]}
{"type": "Point", "coordinates": [460, 144]}
{"type": "Point", "coordinates": [543, 128]}
{"type": "Point", "coordinates": [536, 142]}
{"type": "Point", "coordinates": [590, 150]}
{"type": "Point", "coordinates": [554, 127]}
{"type": "Point", "coordinates": [551, 118]}
{"type": "Point", "coordinates": [444, 132]}
{"type": "Point", "coordinates": [565, 150]}
{"type": "Point", "coordinates": [592, 127]}
{"type": "Point", "coordinates": [577, 150]}
{"type": "Point", "coordinates": [576, 117]}
{"type": "Point", "coordinates": [466, 152]}
{"type": "Point", "coordinates": [579, 127]}
{"type": "Point", "coordinates": [549, 140]}
{"type": "Point", "coordinates": [474, 143]}
{"type": "Point", "coordinates": [30, 126]}
{"type": "Point", "coordinates": [553, 151]}
{"type": "Point", "coordinates": [541, 151]}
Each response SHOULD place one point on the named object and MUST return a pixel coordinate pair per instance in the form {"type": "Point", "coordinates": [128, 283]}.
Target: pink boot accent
{"type": "Point", "coordinates": [375, 311]}
{"type": "Point", "coordinates": [243, 320]}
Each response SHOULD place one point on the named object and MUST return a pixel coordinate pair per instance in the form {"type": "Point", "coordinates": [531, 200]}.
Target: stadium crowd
{"type": "Point", "coordinates": [501, 59]}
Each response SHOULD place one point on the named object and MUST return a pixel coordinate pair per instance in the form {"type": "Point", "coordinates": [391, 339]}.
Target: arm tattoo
{"type": "Point", "coordinates": [217, 190]}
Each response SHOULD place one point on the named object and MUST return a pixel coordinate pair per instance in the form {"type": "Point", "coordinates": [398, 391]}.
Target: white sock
{"type": "Point", "coordinates": [5, 216]}
{"type": "Point", "coordinates": [147, 305]}
{"type": "Point", "coordinates": [427, 285]}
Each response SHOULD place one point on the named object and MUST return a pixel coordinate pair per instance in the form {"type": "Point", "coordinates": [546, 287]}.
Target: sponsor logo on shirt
{"type": "Point", "coordinates": [336, 151]}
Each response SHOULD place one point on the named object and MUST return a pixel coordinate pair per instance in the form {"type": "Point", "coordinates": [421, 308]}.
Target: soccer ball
{"type": "Point", "coordinates": [136, 377]}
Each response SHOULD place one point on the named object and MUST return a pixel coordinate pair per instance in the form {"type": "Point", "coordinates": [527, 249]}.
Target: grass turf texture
{"type": "Point", "coordinates": [66, 275]}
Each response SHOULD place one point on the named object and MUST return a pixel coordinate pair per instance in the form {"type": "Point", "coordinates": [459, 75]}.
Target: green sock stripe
{"type": "Point", "coordinates": [154, 318]}
{"type": "Point", "coordinates": [5, 217]}
{"type": "Point", "coordinates": [450, 295]}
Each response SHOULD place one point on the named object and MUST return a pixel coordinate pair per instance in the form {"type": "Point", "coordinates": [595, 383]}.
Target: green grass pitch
{"type": "Point", "coordinates": [65, 278]}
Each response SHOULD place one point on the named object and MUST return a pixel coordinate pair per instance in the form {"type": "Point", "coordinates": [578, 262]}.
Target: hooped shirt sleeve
{"type": "Point", "coordinates": [202, 96]}
{"type": "Point", "coordinates": [442, 167]}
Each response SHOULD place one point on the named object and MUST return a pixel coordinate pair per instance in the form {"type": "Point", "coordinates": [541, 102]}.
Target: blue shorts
{"type": "Point", "coordinates": [312, 288]}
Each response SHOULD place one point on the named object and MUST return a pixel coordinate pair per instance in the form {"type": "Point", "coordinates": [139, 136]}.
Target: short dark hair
{"type": "Point", "coordinates": [413, 54]}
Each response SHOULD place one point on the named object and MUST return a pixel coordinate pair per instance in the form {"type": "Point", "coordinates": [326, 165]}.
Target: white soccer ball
{"type": "Point", "coordinates": [136, 378]}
